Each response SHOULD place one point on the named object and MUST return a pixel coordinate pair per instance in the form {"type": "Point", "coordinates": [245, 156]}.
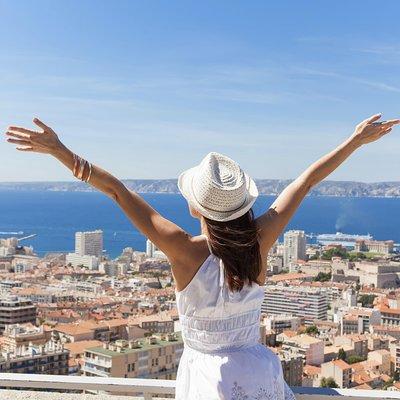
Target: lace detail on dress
{"type": "Point", "coordinates": [276, 392]}
{"type": "Point", "coordinates": [289, 395]}
{"type": "Point", "coordinates": [238, 393]}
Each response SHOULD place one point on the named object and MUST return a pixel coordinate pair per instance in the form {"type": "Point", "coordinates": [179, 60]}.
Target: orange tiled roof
{"type": "Point", "coordinates": [311, 370]}
{"type": "Point", "coordinates": [79, 347]}
{"type": "Point", "coordinates": [341, 364]}
{"type": "Point", "coordinates": [288, 277]}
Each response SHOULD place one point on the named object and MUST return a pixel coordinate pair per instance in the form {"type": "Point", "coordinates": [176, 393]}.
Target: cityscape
{"type": "Point", "coordinates": [331, 311]}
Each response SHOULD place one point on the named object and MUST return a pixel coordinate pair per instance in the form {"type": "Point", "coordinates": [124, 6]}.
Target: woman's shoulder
{"type": "Point", "coordinates": [185, 267]}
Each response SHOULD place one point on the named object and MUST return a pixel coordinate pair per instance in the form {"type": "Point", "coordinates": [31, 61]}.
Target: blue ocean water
{"type": "Point", "coordinates": [55, 217]}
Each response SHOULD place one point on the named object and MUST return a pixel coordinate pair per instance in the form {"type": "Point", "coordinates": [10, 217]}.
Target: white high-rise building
{"type": "Point", "coordinates": [150, 248]}
{"type": "Point", "coordinates": [152, 251]}
{"type": "Point", "coordinates": [89, 243]}
{"type": "Point", "coordinates": [88, 249]}
{"type": "Point", "coordinates": [294, 243]}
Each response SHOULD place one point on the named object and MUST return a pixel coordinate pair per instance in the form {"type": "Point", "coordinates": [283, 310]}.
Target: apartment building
{"type": "Point", "coordinates": [294, 247]}
{"type": "Point", "coordinates": [8, 284]}
{"type": "Point", "coordinates": [280, 323]}
{"type": "Point", "coordinates": [50, 358]}
{"type": "Point", "coordinates": [308, 347]}
{"type": "Point", "coordinates": [89, 243]}
{"type": "Point", "coordinates": [292, 367]}
{"type": "Point", "coordinates": [152, 251]}
{"type": "Point", "coordinates": [15, 310]}
{"type": "Point", "coordinates": [376, 246]}
{"type": "Point", "coordinates": [339, 370]}
{"type": "Point", "coordinates": [21, 335]}
{"type": "Point", "coordinates": [88, 249]}
{"type": "Point", "coordinates": [380, 360]}
{"type": "Point", "coordinates": [38, 295]}
{"type": "Point", "coordinates": [308, 303]}
{"type": "Point", "coordinates": [155, 356]}
{"type": "Point", "coordinates": [386, 330]}
{"type": "Point", "coordinates": [358, 319]}
{"type": "Point", "coordinates": [332, 352]}
{"type": "Point", "coordinates": [357, 342]}
{"type": "Point", "coordinates": [381, 274]}
{"type": "Point", "coordinates": [156, 323]}
{"type": "Point", "coordinates": [77, 353]}
{"type": "Point", "coordinates": [390, 316]}
{"type": "Point", "coordinates": [106, 331]}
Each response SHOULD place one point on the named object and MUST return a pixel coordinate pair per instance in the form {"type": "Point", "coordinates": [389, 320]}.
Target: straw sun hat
{"type": "Point", "coordinates": [218, 188]}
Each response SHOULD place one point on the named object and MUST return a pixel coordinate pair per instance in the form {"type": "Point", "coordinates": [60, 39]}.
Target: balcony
{"type": "Point", "coordinates": [141, 389]}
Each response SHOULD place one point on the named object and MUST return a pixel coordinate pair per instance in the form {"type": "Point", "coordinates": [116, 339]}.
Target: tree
{"type": "Point", "coordinates": [342, 354]}
{"type": "Point", "coordinates": [334, 252]}
{"type": "Point", "coordinates": [367, 300]}
{"type": "Point", "coordinates": [312, 330]}
{"type": "Point", "coordinates": [323, 277]}
{"type": "Point", "coordinates": [328, 383]}
{"type": "Point", "coordinates": [396, 375]}
{"type": "Point", "coordinates": [388, 384]}
{"type": "Point", "coordinates": [355, 359]}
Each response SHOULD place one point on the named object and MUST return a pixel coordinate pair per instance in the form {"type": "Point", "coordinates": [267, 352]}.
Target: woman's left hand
{"type": "Point", "coordinates": [45, 141]}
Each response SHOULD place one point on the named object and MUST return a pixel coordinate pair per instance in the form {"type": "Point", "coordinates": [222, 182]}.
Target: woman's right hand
{"type": "Point", "coordinates": [45, 141]}
{"type": "Point", "coordinates": [371, 130]}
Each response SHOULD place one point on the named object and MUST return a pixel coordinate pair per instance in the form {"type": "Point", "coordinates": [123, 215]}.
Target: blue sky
{"type": "Point", "coordinates": [146, 89]}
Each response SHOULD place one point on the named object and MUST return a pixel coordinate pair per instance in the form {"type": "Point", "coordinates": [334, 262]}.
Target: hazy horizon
{"type": "Point", "coordinates": [171, 179]}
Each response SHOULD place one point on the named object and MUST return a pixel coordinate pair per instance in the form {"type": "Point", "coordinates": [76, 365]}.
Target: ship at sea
{"type": "Point", "coordinates": [345, 239]}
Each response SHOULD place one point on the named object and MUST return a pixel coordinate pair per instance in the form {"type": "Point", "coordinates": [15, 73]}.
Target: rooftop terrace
{"type": "Point", "coordinates": [124, 346]}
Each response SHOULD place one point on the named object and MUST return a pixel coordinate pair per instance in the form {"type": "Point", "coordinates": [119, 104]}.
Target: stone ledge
{"type": "Point", "coordinates": [39, 395]}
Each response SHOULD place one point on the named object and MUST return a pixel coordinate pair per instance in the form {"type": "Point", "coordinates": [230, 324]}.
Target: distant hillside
{"type": "Point", "coordinates": [265, 186]}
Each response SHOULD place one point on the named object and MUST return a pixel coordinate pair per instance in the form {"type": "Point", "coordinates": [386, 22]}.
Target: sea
{"type": "Point", "coordinates": [54, 217]}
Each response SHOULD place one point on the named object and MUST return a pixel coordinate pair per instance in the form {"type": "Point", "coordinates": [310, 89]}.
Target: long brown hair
{"type": "Point", "coordinates": [236, 243]}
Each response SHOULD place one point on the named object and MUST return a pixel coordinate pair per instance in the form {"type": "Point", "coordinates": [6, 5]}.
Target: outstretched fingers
{"type": "Point", "coordinates": [20, 130]}
{"type": "Point", "coordinates": [40, 124]}
{"type": "Point", "coordinates": [392, 121]}
{"type": "Point", "coordinates": [387, 130]}
{"type": "Point", "coordinates": [373, 118]}
{"type": "Point", "coordinates": [19, 141]}
{"type": "Point", "coordinates": [27, 148]}
{"type": "Point", "coordinates": [384, 125]}
{"type": "Point", "coordinates": [18, 135]}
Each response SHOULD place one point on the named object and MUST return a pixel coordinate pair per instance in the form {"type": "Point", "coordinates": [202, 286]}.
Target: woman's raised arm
{"type": "Point", "coordinates": [273, 222]}
{"type": "Point", "coordinates": [166, 235]}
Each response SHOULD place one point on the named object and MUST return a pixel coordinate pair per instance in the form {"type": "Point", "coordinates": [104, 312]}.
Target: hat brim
{"type": "Point", "coordinates": [185, 185]}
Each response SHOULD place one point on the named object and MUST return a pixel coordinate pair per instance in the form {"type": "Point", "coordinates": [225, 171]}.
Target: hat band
{"type": "Point", "coordinates": [219, 211]}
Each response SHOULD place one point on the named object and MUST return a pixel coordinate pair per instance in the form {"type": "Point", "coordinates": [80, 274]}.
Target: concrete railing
{"type": "Point", "coordinates": [146, 388]}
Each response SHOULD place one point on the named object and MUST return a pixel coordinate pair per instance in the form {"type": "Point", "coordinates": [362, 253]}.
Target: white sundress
{"type": "Point", "coordinates": [222, 356]}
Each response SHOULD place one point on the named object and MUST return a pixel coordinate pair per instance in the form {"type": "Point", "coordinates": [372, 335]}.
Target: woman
{"type": "Point", "coordinates": [219, 274]}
